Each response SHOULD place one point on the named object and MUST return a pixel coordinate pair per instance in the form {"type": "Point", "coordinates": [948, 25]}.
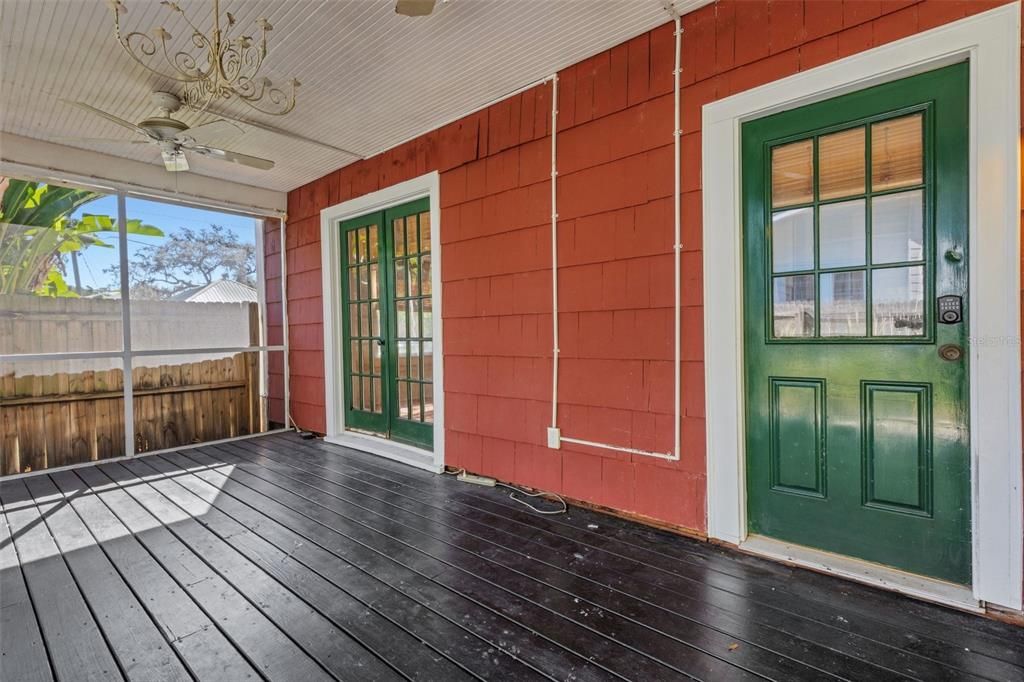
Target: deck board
{"type": "Point", "coordinates": [856, 609]}
{"type": "Point", "coordinates": [894, 645]}
{"type": "Point", "coordinates": [361, 626]}
{"type": "Point", "coordinates": [546, 650]}
{"type": "Point", "coordinates": [660, 634]}
{"type": "Point", "coordinates": [203, 648]}
{"type": "Point", "coordinates": [77, 647]}
{"type": "Point", "coordinates": [135, 640]}
{"type": "Point", "coordinates": [567, 617]}
{"type": "Point", "coordinates": [280, 558]}
{"type": "Point", "coordinates": [22, 651]}
{"type": "Point", "coordinates": [270, 650]}
{"type": "Point", "coordinates": [651, 604]}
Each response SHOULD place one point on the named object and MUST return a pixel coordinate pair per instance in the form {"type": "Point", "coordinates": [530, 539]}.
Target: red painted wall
{"type": "Point", "coordinates": [615, 160]}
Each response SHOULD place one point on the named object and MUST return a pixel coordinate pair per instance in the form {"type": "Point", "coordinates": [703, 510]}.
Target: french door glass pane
{"type": "Point", "coordinates": [897, 153]}
{"type": "Point", "coordinates": [425, 232]}
{"type": "Point", "coordinates": [793, 240]}
{"type": "Point", "coordinates": [827, 216]}
{"type": "Point", "coordinates": [365, 351]}
{"type": "Point", "coordinates": [897, 301]}
{"type": "Point", "coordinates": [843, 310]}
{"type": "Point", "coordinates": [793, 312]}
{"type": "Point", "coordinates": [398, 233]}
{"type": "Point", "coordinates": [841, 234]}
{"type": "Point", "coordinates": [897, 227]}
{"type": "Point", "coordinates": [413, 315]}
{"type": "Point", "coordinates": [428, 403]}
{"type": "Point", "coordinates": [792, 174]}
{"type": "Point", "coordinates": [841, 164]}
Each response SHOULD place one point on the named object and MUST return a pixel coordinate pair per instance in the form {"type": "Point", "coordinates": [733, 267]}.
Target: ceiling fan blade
{"type": "Point", "coordinates": [110, 117]}
{"type": "Point", "coordinates": [174, 161]}
{"type": "Point", "coordinates": [233, 157]}
{"type": "Point", "coordinates": [214, 129]}
{"type": "Point", "coordinates": [287, 133]}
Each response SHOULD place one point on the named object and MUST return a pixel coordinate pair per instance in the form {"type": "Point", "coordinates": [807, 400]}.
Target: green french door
{"type": "Point", "coordinates": [388, 321]}
{"type": "Point", "coordinates": [855, 325]}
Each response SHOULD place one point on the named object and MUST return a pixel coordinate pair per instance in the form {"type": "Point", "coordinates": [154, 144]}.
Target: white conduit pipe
{"type": "Point", "coordinates": [286, 340]}
{"type": "Point", "coordinates": [554, 255]}
{"type": "Point", "coordinates": [554, 435]}
{"type": "Point", "coordinates": [678, 248]}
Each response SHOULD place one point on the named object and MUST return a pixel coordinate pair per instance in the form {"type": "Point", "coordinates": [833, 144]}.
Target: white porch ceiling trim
{"type": "Point", "coordinates": [35, 159]}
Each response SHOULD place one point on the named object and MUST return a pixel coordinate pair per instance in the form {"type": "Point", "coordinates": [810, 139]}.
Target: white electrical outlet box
{"type": "Point", "coordinates": [554, 437]}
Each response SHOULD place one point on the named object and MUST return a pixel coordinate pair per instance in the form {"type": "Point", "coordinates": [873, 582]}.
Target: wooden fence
{"type": "Point", "coordinates": [38, 324]}
{"type": "Point", "coordinates": [54, 413]}
{"type": "Point", "coordinates": [57, 419]}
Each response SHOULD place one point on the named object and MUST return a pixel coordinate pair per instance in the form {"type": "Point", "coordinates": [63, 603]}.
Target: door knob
{"type": "Point", "coordinates": [380, 341]}
{"type": "Point", "coordinates": [951, 352]}
{"type": "Point", "coordinates": [954, 255]}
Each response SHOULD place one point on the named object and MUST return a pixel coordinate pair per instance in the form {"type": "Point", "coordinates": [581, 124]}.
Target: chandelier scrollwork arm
{"type": "Point", "coordinates": [213, 66]}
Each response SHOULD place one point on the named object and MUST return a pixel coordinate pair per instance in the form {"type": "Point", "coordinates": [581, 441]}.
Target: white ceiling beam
{"type": "Point", "coordinates": [21, 156]}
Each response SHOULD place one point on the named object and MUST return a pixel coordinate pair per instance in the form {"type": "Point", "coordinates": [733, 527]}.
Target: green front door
{"type": "Point", "coordinates": [388, 322]}
{"type": "Point", "coordinates": [855, 251]}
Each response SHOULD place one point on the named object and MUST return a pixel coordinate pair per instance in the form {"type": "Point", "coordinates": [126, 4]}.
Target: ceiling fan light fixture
{"type": "Point", "coordinates": [174, 137]}
{"type": "Point", "coordinates": [174, 160]}
{"type": "Point", "coordinates": [414, 8]}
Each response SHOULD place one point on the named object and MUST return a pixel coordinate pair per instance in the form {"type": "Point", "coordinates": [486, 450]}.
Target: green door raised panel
{"type": "Point", "coordinates": [855, 223]}
{"type": "Point", "coordinates": [388, 323]}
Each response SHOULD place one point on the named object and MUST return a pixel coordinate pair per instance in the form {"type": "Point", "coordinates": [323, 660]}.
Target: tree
{"type": "Point", "coordinates": [188, 258]}
{"type": "Point", "coordinates": [37, 232]}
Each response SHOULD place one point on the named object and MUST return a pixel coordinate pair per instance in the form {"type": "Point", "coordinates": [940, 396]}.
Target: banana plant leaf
{"type": "Point", "coordinates": [36, 231]}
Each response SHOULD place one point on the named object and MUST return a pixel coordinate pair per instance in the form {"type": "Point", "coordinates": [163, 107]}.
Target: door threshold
{"type": "Point", "coordinates": [858, 570]}
{"type": "Point", "coordinates": [389, 449]}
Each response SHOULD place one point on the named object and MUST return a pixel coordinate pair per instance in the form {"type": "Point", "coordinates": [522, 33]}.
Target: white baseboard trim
{"type": "Point", "coordinates": [928, 589]}
{"type": "Point", "coordinates": [399, 452]}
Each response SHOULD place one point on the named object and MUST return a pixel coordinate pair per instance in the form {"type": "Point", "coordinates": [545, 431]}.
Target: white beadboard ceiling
{"type": "Point", "coordinates": [370, 78]}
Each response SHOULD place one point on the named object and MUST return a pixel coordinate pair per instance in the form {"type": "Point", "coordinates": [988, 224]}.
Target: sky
{"type": "Point", "coordinates": [170, 218]}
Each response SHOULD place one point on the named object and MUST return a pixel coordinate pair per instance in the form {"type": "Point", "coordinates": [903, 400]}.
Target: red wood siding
{"type": "Point", "coordinates": [615, 236]}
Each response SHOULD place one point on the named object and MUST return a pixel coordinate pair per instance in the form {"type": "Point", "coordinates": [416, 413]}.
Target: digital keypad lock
{"type": "Point", "coordinates": [950, 309]}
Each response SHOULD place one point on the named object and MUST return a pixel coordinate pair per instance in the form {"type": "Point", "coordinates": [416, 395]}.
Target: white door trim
{"type": "Point", "coordinates": [991, 43]}
{"type": "Point", "coordinates": [428, 185]}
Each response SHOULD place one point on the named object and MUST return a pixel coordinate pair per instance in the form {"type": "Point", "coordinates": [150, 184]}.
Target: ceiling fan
{"type": "Point", "coordinates": [174, 137]}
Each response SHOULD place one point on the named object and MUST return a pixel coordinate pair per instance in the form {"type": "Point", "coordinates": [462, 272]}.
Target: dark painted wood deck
{"type": "Point", "coordinates": [286, 559]}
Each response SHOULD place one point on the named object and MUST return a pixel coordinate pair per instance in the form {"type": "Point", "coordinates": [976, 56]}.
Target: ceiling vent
{"type": "Point", "coordinates": [414, 8]}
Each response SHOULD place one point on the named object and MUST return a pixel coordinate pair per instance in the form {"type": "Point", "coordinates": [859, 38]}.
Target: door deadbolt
{"type": "Point", "coordinates": [950, 309]}
{"type": "Point", "coordinates": [951, 352]}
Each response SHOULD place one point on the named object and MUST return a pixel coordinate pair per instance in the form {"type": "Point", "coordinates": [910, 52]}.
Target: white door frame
{"type": "Point", "coordinates": [428, 185]}
{"type": "Point", "coordinates": [991, 43]}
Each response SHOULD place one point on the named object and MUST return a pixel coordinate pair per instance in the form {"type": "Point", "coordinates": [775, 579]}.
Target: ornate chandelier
{"type": "Point", "coordinates": [214, 66]}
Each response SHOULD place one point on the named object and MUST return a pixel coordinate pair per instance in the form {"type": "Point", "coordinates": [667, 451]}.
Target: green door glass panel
{"type": "Point", "coordinates": [388, 322]}
{"type": "Point", "coordinates": [364, 320]}
{"type": "Point", "coordinates": [857, 435]}
{"type": "Point", "coordinates": [411, 323]}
